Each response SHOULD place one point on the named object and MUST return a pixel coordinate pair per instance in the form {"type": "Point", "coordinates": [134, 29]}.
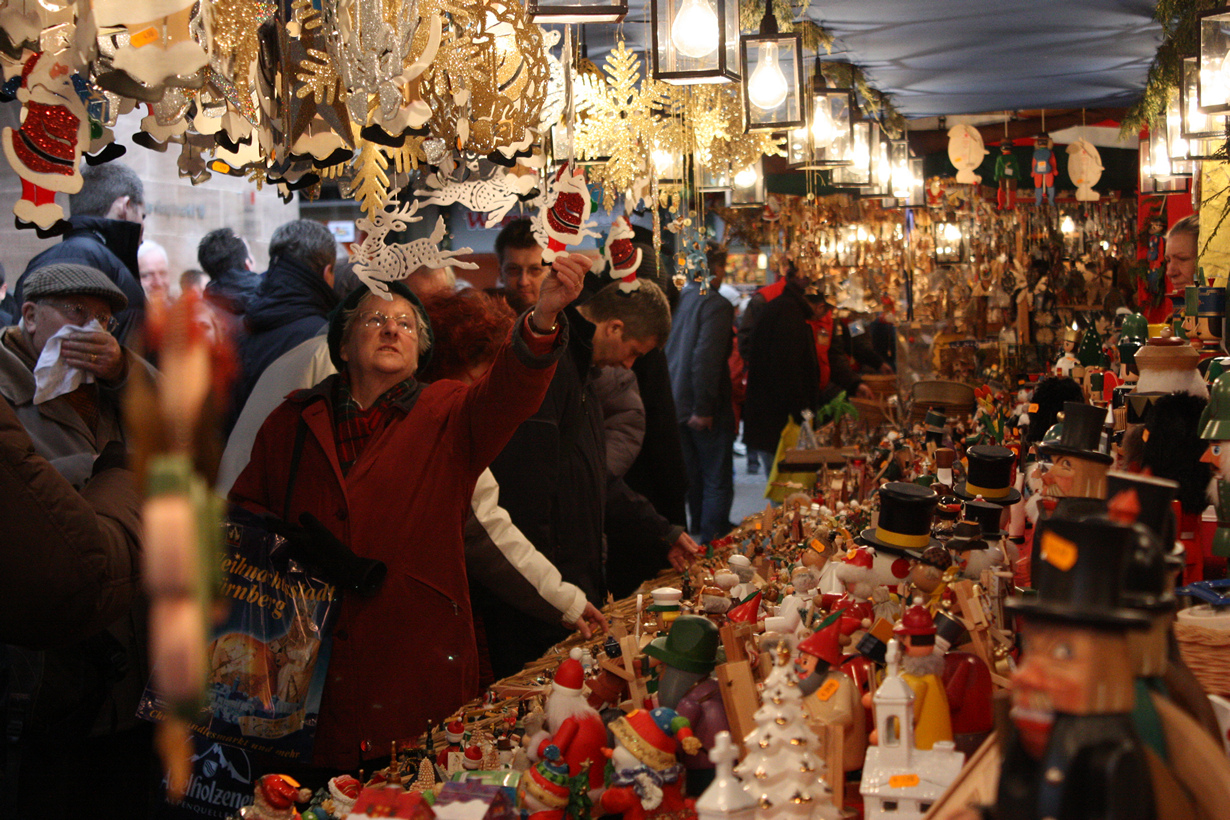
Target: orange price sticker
{"type": "Point", "coordinates": [829, 689]}
{"type": "Point", "coordinates": [903, 781]}
{"type": "Point", "coordinates": [816, 545]}
{"type": "Point", "coordinates": [1059, 552]}
{"type": "Point", "coordinates": [144, 37]}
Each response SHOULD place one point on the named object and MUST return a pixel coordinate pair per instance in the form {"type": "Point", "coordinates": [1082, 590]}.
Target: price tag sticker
{"type": "Point", "coordinates": [816, 545]}
{"type": "Point", "coordinates": [144, 37]}
{"type": "Point", "coordinates": [903, 781]}
{"type": "Point", "coordinates": [1058, 552]}
{"type": "Point", "coordinates": [828, 689]}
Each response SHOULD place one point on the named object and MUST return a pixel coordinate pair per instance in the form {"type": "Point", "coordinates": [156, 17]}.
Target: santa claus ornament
{"type": "Point", "coordinates": [623, 257]}
{"type": "Point", "coordinates": [563, 220]}
{"type": "Point", "coordinates": [276, 796]}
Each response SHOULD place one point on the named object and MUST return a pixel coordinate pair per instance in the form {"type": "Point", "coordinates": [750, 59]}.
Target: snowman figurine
{"type": "Point", "coordinates": [645, 778]}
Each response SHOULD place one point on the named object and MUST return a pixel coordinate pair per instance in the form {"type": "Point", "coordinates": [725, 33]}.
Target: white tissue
{"type": "Point", "coordinates": [52, 377]}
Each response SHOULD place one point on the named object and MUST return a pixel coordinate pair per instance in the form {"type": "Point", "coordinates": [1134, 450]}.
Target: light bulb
{"type": "Point", "coordinates": [1068, 226]}
{"type": "Point", "coordinates": [767, 88]}
{"type": "Point", "coordinates": [822, 130]}
{"type": "Point", "coordinates": [747, 177]}
{"type": "Point", "coordinates": [695, 30]}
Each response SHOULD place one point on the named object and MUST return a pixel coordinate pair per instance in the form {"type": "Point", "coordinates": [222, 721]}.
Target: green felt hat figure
{"type": "Point", "coordinates": [1089, 352]}
{"type": "Point", "coordinates": [1215, 428]}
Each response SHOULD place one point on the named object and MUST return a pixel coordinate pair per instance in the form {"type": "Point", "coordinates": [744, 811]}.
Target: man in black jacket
{"type": "Point", "coordinates": [107, 218]}
{"type": "Point", "coordinates": [233, 280]}
{"type": "Point", "coordinates": [292, 304]}
{"type": "Point", "coordinates": [553, 477]}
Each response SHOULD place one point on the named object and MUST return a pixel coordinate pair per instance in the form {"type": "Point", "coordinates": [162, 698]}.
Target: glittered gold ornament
{"type": "Point", "coordinates": [235, 26]}
{"type": "Point", "coordinates": [620, 121]}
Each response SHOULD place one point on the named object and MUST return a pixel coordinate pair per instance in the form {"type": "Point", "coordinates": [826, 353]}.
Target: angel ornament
{"type": "Point", "coordinates": [377, 262]}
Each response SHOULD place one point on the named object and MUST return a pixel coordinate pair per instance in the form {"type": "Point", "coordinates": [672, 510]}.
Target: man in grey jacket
{"type": "Point", "coordinates": [698, 352]}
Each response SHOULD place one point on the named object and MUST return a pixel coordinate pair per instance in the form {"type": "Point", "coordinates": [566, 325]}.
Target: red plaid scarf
{"type": "Point", "coordinates": [355, 427]}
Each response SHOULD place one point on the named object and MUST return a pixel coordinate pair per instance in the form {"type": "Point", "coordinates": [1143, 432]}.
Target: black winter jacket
{"type": "Point", "coordinates": [110, 245]}
{"type": "Point", "coordinates": [291, 306]}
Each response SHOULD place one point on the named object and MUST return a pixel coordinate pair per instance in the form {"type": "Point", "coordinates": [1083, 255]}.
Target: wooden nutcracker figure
{"type": "Point", "coordinates": [1072, 751]}
{"type": "Point", "coordinates": [1007, 176]}
{"type": "Point", "coordinates": [1216, 431]}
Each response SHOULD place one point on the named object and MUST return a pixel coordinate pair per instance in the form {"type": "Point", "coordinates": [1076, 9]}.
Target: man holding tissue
{"type": "Point", "coordinates": [60, 368]}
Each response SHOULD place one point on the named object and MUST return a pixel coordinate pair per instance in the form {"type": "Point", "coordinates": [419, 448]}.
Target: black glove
{"type": "Point", "coordinates": [313, 544]}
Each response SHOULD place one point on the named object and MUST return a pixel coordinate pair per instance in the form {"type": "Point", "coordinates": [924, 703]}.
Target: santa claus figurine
{"type": "Point", "coordinates": [646, 778]}
{"type": "Point", "coordinates": [276, 796]}
{"type": "Point", "coordinates": [573, 726]}
{"type": "Point", "coordinates": [857, 576]}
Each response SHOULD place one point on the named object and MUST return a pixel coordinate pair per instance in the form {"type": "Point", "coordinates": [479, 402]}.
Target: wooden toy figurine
{"type": "Point", "coordinates": [575, 727]}
{"type": "Point", "coordinates": [645, 776]}
{"type": "Point", "coordinates": [923, 670]}
{"type": "Point", "coordinates": [276, 796]}
{"type": "Point", "coordinates": [1217, 432]}
{"type": "Point", "coordinates": [1072, 751]}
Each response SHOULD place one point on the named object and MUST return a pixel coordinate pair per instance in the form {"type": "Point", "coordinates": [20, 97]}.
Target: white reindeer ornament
{"type": "Point", "coordinates": [494, 197]}
{"type": "Point", "coordinates": [377, 262]}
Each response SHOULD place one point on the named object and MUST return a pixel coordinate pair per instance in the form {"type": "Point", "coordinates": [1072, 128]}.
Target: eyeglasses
{"type": "Point", "coordinates": [79, 314]}
{"type": "Point", "coordinates": [374, 319]}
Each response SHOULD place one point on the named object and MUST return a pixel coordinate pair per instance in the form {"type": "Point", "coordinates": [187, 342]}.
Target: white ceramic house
{"type": "Point", "coordinates": [901, 782]}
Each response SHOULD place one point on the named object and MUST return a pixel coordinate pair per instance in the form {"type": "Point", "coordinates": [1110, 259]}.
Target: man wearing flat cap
{"type": "Point", "coordinates": [61, 369]}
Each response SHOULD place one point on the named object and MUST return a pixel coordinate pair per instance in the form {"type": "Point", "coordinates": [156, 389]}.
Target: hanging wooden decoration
{"type": "Point", "coordinates": [489, 81]}
{"type": "Point", "coordinates": [377, 262]}
{"type": "Point", "coordinates": [965, 151]}
{"type": "Point", "coordinates": [1085, 169]}
{"type": "Point", "coordinates": [494, 196]}
{"type": "Point", "coordinates": [159, 44]}
{"type": "Point", "coordinates": [621, 255]}
{"type": "Point", "coordinates": [46, 149]}
{"type": "Point", "coordinates": [562, 219]}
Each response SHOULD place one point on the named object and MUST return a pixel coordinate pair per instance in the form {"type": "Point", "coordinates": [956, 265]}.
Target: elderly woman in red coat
{"type": "Point", "coordinates": [388, 466]}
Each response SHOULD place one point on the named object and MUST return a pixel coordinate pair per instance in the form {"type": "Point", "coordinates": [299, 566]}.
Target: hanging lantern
{"type": "Point", "coordinates": [747, 187]}
{"type": "Point", "coordinates": [1166, 162]}
{"type": "Point", "coordinates": [575, 11]}
{"type": "Point", "coordinates": [901, 175]}
{"type": "Point", "coordinates": [857, 174]}
{"type": "Point", "coordinates": [1152, 180]}
{"type": "Point", "coordinates": [881, 168]}
{"type": "Point", "coordinates": [918, 183]}
{"type": "Point", "coordinates": [1213, 79]}
{"type": "Point", "coordinates": [950, 245]}
{"type": "Point", "coordinates": [695, 41]}
{"type": "Point", "coordinates": [1196, 124]}
{"type": "Point", "coordinates": [772, 67]}
{"type": "Point", "coordinates": [826, 137]}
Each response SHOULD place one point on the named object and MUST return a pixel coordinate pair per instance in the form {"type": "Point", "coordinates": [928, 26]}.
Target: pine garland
{"type": "Point", "coordinates": [1180, 38]}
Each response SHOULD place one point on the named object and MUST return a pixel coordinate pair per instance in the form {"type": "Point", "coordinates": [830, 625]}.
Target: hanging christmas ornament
{"type": "Point", "coordinates": [378, 49]}
{"type": "Point", "coordinates": [622, 256]}
{"type": "Point", "coordinates": [1084, 169]}
{"type": "Point", "coordinates": [312, 99]}
{"type": "Point", "coordinates": [489, 81]}
{"type": "Point", "coordinates": [159, 46]}
{"type": "Point", "coordinates": [377, 262]}
{"type": "Point", "coordinates": [965, 152]}
{"type": "Point", "coordinates": [562, 219]}
{"type": "Point", "coordinates": [46, 149]}
{"type": "Point", "coordinates": [555, 98]}
{"type": "Point", "coordinates": [494, 196]}
{"type": "Point", "coordinates": [235, 28]}
{"type": "Point", "coordinates": [620, 121]}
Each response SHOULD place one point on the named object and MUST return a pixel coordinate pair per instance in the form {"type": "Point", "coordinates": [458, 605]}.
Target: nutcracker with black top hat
{"type": "Point", "coordinates": [1072, 750]}
{"type": "Point", "coordinates": [1078, 463]}
{"type": "Point", "coordinates": [1172, 714]}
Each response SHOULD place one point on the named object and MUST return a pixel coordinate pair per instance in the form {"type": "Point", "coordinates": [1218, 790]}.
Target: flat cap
{"type": "Point", "coordinates": [70, 279]}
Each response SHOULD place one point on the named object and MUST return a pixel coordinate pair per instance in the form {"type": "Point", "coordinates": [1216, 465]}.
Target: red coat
{"type": "Point", "coordinates": [406, 658]}
{"type": "Point", "coordinates": [580, 740]}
